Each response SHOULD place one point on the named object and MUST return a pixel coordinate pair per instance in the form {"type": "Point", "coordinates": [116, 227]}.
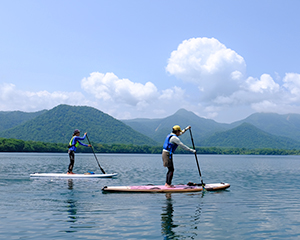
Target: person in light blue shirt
{"type": "Point", "coordinates": [73, 144]}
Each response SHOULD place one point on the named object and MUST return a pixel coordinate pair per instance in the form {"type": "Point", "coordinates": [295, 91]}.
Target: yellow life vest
{"type": "Point", "coordinates": [70, 143]}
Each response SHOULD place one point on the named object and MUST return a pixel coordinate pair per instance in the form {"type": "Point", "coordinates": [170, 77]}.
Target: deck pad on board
{"type": "Point", "coordinates": [163, 188]}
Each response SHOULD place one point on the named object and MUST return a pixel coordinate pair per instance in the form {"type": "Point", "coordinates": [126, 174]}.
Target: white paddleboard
{"type": "Point", "coordinates": [164, 189]}
{"type": "Point", "coordinates": [65, 175]}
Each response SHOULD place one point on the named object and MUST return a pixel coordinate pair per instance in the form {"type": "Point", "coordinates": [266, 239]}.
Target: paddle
{"type": "Point", "coordinates": [95, 154]}
{"type": "Point", "coordinates": [197, 160]}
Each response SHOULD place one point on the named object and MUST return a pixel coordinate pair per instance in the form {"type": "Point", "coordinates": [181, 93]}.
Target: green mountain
{"type": "Point", "coordinates": [259, 130]}
{"type": "Point", "coordinates": [15, 118]}
{"type": "Point", "coordinates": [287, 125]}
{"type": "Point", "coordinates": [57, 126]}
{"type": "Point", "coordinates": [249, 136]}
{"type": "Point", "coordinates": [158, 129]}
{"type": "Point", "coordinates": [283, 130]}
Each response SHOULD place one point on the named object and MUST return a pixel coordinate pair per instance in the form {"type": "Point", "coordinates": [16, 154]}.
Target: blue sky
{"type": "Point", "coordinates": [223, 60]}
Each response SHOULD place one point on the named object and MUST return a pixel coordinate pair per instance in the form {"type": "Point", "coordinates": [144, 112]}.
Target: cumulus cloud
{"type": "Point", "coordinates": [109, 87]}
{"type": "Point", "coordinates": [264, 84]}
{"type": "Point", "coordinates": [120, 98]}
{"type": "Point", "coordinates": [265, 95]}
{"type": "Point", "coordinates": [292, 84]}
{"type": "Point", "coordinates": [123, 98]}
{"type": "Point", "coordinates": [285, 100]}
{"type": "Point", "coordinates": [219, 74]}
{"type": "Point", "coordinates": [207, 63]}
{"type": "Point", "coordinates": [13, 98]}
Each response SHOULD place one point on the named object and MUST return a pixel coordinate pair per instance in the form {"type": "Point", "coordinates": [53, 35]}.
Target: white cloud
{"type": "Point", "coordinates": [212, 111]}
{"type": "Point", "coordinates": [265, 95]}
{"type": "Point", "coordinates": [207, 63]}
{"type": "Point", "coordinates": [108, 87]}
{"type": "Point", "coordinates": [12, 98]}
{"type": "Point", "coordinates": [219, 75]}
{"type": "Point", "coordinates": [292, 83]}
{"type": "Point", "coordinates": [172, 94]}
{"type": "Point", "coordinates": [265, 84]}
{"type": "Point", "coordinates": [285, 100]}
{"type": "Point", "coordinates": [123, 98]}
{"type": "Point", "coordinates": [264, 105]}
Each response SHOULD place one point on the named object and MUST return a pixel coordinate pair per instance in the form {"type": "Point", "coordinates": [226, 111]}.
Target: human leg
{"type": "Point", "coordinates": [169, 176]}
{"type": "Point", "coordinates": [72, 161]}
{"type": "Point", "coordinates": [168, 162]}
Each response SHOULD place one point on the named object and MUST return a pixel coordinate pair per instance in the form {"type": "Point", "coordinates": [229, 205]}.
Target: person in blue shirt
{"type": "Point", "coordinates": [171, 143]}
{"type": "Point", "coordinates": [74, 143]}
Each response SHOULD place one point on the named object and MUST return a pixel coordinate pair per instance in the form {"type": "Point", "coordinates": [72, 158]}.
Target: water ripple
{"type": "Point", "coordinates": [262, 202]}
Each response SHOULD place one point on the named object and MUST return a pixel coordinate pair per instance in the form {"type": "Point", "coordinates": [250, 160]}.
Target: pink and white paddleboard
{"type": "Point", "coordinates": [164, 189]}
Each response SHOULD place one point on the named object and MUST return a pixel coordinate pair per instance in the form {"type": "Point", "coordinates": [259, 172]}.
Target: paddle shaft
{"type": "Point", "coordinates": [196, 157]}
{"type": "Point", "coordinates": [95, 155]}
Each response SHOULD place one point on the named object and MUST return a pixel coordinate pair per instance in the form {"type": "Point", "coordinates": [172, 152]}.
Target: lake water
{"type": "Point", "coordinates": [263, 201]}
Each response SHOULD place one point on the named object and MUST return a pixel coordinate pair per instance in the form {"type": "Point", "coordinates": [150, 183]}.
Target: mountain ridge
{"type": "Point", "coordinates": [286, 125]}
{"type": "Point", "coordinates": [10, 119]}
{"type": "Point", "coordinates": [158, 129]}
{"type": "Point", "coordinates": [248, 136]}
{"type": "Point", "coordinates": [58, 124]}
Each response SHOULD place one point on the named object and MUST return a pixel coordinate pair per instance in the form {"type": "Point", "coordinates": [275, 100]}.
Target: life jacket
{"type": "Point", "coordinates": [75, 144]}
{"type": "Point", "coordinates": [171, 147]}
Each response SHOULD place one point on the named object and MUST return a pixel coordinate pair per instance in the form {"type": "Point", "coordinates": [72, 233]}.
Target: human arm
{"type": "Point", "coordinates": [184, 130]}
{"type": "Point", "coordinates": [77, 139]}
{"type": "Point", "coordinates": [176, 140]}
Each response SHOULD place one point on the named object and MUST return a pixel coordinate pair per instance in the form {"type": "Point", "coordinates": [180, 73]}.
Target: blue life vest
{"type": "Point", "coordinates": [171, 147]}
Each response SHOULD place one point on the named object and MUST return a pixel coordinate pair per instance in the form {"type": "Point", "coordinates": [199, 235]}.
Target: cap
{"type": "Point", "coordinates": [76, 131]}
{"type": "Point", "coordinates": [177, 128]}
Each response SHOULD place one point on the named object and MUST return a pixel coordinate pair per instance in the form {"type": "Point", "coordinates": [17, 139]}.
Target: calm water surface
{"type": "Point", "coordinates": [263, 201]}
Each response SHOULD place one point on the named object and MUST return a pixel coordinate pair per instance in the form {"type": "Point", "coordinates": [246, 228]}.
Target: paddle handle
{"type": "Point", "coordinates": [95, 154]}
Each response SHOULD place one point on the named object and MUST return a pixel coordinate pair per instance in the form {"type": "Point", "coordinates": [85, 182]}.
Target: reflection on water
{"type": "Point", "coordinates": [71, 203]}
{"type": "Point", "coordinates": [169, 228]}
{"type": "Point", "coordinates": [72, 210]}
{"type": "Point", "coordinates": [167, 225]}
{"type": "Point", "coordinates": [70, 184]}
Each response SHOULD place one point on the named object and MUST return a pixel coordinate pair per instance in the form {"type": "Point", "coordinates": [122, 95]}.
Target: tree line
{"type": "Point", "coordinates": [16, 145]}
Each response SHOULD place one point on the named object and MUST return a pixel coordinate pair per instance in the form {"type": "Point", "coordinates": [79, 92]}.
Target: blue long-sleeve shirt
{"type": "Point", "coordinates": [75, 140]}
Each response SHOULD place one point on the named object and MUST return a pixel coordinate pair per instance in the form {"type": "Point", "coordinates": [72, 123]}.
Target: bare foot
{"type": "Point", "coordinates": [169, 186]}
{"type": "Point", "coordinates": [70, 173]}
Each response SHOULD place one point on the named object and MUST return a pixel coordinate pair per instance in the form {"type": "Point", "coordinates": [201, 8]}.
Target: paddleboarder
{"type": "Point", "coordinates": [171, 143]}
{"type": "Point", "coordinates": [74, 143]}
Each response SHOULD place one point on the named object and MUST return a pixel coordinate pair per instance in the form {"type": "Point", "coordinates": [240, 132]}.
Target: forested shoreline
{"type": "Point", "coordinates": [16, 145]}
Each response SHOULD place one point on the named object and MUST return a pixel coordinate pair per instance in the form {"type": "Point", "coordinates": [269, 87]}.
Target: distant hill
{"type": "Point", "coordinates": [259, 130]}
{"type": "Point", "coordinates": [158, 129]}
{"type": "Point", "coordinates": [283, 130]}
{"type": "Point", "coordinates": [15, 118]}
{"type": "Point", "coordinates": [287, 125]}
{"type": "Point", "coordinates": [57, 126]}
{"type": "Point", "coordinates": [249, 136]}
